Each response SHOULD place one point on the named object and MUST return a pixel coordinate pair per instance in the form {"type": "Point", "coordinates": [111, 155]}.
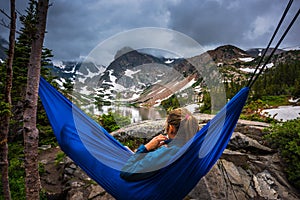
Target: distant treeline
{"type": "Point", "coordinates": [281, 79]}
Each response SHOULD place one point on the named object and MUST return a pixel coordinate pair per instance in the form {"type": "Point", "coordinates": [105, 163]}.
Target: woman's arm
{"type": "Point", "coordinates": [144, 164]}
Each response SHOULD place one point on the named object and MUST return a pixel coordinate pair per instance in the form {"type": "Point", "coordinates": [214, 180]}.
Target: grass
{"type": "Point", "coordinates": [253, 108]}
{"type": "Point", "coordinates": [275, 101]}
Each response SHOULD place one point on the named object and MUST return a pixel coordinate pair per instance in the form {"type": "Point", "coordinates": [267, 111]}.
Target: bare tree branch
{"type": "Point", "coordinates": [4, 13]}
{"type": "Point", "coordinates": [2, 23]}
{"type": "Point", "coordinates": [5, 25]}
{"type": "Point", "coordinates": [19, 13]}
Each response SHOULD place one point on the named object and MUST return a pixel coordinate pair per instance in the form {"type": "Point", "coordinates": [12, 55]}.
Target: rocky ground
{"type": "Point", "coordinates": [248, 169]}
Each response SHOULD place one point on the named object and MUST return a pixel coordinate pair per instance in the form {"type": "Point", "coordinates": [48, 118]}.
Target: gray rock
{"type": "Point", "coordinates": [96, 190]}
{"type": "Point", "coordinates": [69, 171]}
{"type": "Point", "coordinates": [242, 142]}
{"type": "Point", "coordinates": [75, 195]}
{"type": "Point", "coordinates": [45, 147]}
{"type": "Point", "coordinates": [145, 129]}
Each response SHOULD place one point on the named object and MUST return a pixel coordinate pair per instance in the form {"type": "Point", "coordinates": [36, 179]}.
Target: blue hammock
{"type": "Point", "coordinates": [102, 157]}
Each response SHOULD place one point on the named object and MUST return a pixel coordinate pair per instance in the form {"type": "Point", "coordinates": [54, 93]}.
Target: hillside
{"type": "Point", "coordinates": [255, 52]}
{"type": "Point", "coordinates": [142, 79]}
{"type": "Point", "coordinates": [228, 54]}
{"type": "Point", "coordinates": [137, 77]}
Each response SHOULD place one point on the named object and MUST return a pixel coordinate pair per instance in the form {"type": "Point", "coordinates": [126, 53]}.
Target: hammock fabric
{"type": "Point", "coordinates": [102, 157]}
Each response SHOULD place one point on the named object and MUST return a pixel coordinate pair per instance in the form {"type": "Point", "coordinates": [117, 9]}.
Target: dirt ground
{"type": "Point", "coordinates": [51, 175]}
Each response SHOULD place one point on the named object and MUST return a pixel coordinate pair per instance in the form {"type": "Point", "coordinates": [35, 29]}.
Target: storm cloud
{"type": "Point", "coordinates": [75, 28]}
{"type": "Point", "coordinates": [247, 23]}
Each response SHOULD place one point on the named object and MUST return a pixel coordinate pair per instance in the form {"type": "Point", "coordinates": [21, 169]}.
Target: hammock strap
{"type": "Point", "coordinates": [270, 42]}
{"type": "Point", "coordinates": [252, 80]}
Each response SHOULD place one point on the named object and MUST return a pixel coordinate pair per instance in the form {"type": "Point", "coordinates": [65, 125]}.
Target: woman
{"type": "Point", "coordinates": [156, 154]}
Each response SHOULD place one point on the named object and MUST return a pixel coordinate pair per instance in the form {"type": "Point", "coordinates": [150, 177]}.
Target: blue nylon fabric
{"type": "Point", "coordinates": [101, 156]}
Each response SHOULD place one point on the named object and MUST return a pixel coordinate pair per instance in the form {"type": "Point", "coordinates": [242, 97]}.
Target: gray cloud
{"type": "Point", "coordinates": [75, 27]}
{"type": "Point", "coordinates": [81, 26]}
{"type": "Point", "coordinates": [245, 23]}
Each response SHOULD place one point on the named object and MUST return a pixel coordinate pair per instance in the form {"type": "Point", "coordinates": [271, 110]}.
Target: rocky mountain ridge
{"type": "Point", "coordinates": [228, 54]}
{"type": "Point", "coordinates": [255, 52]}
{"type": "Point", "coordinates": [135, 77]}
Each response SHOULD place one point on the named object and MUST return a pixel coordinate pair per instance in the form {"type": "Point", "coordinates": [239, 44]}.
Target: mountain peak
{"type": "Point", "coordinates": [227, 52]}
{"type": "Point", "coordinates": [123, 51]}
{"type": "Point", "coordinates": [230, 47]}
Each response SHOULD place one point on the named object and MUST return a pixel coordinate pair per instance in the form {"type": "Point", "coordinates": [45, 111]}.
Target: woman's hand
{"type": "Point", "coordinates": [156, 142]}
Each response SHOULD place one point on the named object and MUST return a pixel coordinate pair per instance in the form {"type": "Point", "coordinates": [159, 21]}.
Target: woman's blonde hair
{"type": "Point", "coordinates": [185, 124]}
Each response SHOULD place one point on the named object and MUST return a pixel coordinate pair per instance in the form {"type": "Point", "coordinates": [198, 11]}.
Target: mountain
{"type": "Point", "coordinates": [73, 70]}
{"type": "Point", "coordinates": [255, 52]}
{"type": "Point", "coordinates": [286, 56]}
{"type": "Point", "coordinates": [136, 77]}
{"type": "Point", "coordinates": [228, 54]}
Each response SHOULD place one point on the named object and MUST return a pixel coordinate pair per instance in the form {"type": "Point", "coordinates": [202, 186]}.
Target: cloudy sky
{"type": "Point", "coordinates": [76, 27]}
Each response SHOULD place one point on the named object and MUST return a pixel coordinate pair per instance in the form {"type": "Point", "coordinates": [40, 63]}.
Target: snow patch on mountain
{"type": "Point", "coordinates": [158, 101]}
{"type": "Point", "coordinates": [91, 74]}
{"type": "Point", "coordinates": [58, 64]}
{"type": "Point", "coordinates": [247, 69]}
{"type": "Point", "coordinates": [169, 61]}
{"type": "Point", "coordinates": [60, 82]}
{"type": "Point", "coordinates": [81, 79]}
{"type": "Point", "coordinates": [129, 73]}
{"type": "Point", "coordinates": [251, 70]}
{"type": "Point", "coordinates": [188, 85]}
{"type": "Point", "coordinates": [247, 59]}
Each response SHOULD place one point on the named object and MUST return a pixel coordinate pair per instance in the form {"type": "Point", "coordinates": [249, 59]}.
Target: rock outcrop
{"type": "Point", "coordinates": [248, 169]}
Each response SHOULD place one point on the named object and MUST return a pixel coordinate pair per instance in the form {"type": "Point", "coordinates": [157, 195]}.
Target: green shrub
{"type": "Point", "coordinates": [46, 136]}
{"type": "Point", "coordinates": [170, 103]}
{"type": "Point", "coordinates": [206, 106]}
{"type": "Point", "coordinates": [59, 157]}
{"type": "Point", "coordinates": [133, 143]}
{"type": "Point", "coordinates": [16, 172]}
{"type": "Point", "coordinates": [253, 111]}
{"type": "Point", "coordinates": [113, 121]}
{"type": "Point", "coordinates": [286, 138]}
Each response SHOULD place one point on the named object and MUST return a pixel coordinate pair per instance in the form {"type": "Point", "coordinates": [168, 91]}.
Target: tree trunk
{"type": "Point", "coordinates": [31, 133]}
{"type": "Point", "coordinates": [5, 118]}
